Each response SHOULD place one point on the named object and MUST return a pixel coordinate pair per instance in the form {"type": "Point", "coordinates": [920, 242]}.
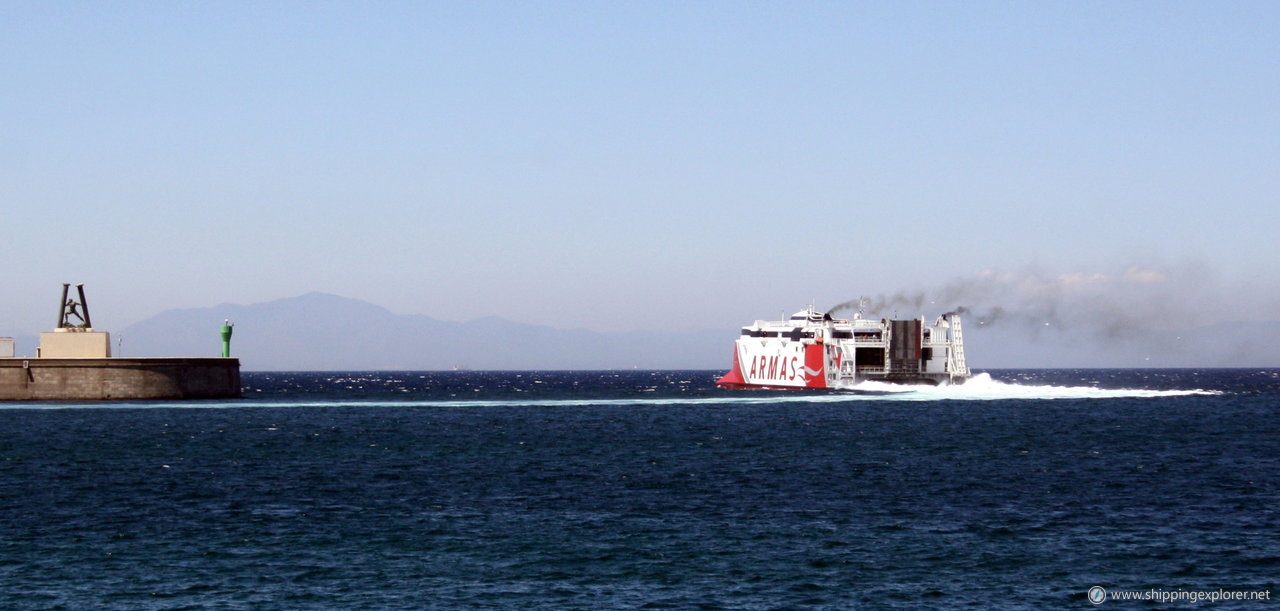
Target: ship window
{"type": "Point", "coordinates": [763, 334]}
{"type": "Point", "coordinates": [842, 334]}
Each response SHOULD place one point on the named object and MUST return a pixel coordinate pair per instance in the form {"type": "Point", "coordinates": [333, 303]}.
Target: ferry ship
{"type": "Point", "coordinates": [814, 350]}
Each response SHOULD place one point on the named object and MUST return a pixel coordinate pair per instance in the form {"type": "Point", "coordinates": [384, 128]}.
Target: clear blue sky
{"type": "Point", "coordinates": [630, 165]}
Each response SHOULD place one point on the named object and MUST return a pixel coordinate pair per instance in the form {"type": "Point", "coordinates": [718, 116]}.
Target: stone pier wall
{"type": "Point", "coordinates": [105, 379]}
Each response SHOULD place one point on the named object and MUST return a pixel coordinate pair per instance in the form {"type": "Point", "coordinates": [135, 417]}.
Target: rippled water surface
{"type": "Point", "coordinates": [563, 490]}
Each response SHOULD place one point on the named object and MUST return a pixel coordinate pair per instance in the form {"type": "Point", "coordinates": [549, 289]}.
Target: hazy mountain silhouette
{"type": "Point", "coordinates": [322, 332]}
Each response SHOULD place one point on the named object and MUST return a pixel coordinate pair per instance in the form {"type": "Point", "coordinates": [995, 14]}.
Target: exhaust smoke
{"type": "Point", "coordinates": [1102, 305]}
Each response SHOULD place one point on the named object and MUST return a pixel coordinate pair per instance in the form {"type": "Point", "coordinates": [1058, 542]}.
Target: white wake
{"type": "Point", "coordinates": [980, 387]}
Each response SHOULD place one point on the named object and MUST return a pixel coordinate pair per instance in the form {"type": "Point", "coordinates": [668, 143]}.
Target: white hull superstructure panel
{"type": "Point", "coordinates": [813, 350]}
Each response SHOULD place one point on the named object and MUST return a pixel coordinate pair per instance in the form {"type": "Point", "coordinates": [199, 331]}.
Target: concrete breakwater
{"type": "Point", "coordinates": [103, 379]}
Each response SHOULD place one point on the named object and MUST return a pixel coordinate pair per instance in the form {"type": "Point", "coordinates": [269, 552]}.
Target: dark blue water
{"type": "Point", "coordinates": [645, 490]}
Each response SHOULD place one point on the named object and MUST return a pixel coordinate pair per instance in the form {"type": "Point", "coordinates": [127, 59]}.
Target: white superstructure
{"type": "Point", "coordinates": [814, 350]}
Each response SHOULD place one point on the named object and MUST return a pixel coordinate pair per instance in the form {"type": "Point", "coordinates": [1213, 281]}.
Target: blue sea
{"type": "Point", "coordinates": [647, 490]}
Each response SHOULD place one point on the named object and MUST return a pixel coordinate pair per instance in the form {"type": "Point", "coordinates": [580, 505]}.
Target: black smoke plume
{"type": "Point", "coordinates": [1097, 304]}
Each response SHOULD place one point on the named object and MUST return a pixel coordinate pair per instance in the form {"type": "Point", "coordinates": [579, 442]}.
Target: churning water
{"type": "Point", "coordinates": [564, 490]}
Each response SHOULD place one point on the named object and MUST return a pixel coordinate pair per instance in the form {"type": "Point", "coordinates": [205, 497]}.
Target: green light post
{"type": "Point", "coordinates": [226, 338]}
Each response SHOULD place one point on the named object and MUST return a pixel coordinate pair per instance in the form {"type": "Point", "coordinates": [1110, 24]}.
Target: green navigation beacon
{"type": "Point", "coordinates": [226, 338]}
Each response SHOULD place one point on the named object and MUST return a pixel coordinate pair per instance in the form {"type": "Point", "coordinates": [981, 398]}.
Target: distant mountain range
{"type": "Point", "coordinates": [322, 332]}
